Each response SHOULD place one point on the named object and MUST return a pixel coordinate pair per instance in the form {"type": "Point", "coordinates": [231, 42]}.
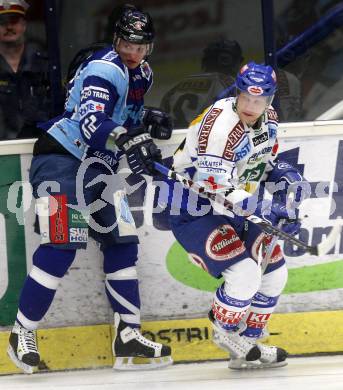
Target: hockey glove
{"type": "Point", "coordinates": [159, 124]}
{"type": "Point", "coordinates": [273, 212]}
{"type": "Point", "coordinates": [291, 184]}
{"type": "Point", "coordinates": [141, 151]}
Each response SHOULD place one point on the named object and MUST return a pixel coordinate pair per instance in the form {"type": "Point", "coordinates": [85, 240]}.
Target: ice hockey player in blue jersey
{"type": "Point", "coordinates": [230, 149]}
{"type": "Point", "coordinates": [104, 120]}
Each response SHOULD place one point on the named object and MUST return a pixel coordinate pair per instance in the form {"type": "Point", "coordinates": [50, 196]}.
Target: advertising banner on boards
{"type": "Point", "coordinates": [172, 286]}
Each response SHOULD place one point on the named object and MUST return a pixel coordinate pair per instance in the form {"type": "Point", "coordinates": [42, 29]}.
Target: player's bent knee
{"type": "Point", "coordinates": [242, 280]}
{"type": "Point", "coordinates": [274, 282]}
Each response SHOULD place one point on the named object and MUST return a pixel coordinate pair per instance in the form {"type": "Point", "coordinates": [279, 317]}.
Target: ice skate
{"type": "Point", "coordinates": [22, 348]}
{"type": "Point", "coordinates": [132, 351]}
{"type": "Point", "coordinates": [245, 352]}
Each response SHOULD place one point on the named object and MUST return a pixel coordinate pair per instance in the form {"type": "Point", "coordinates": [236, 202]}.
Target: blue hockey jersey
{"type": "Point", "coordinates": [103, 94]}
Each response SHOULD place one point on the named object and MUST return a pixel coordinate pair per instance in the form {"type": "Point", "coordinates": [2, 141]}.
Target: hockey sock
{"type": "Point", "coordinates": [49, 266]}
{"type": "Point", "coordinates": [258, 315]}
{"type": "Point", "coordinates": [121, 281]}
{"type": "Point", "coordinates": [265, 300]}
{"type": "Point", "coordinates": [228, 311]}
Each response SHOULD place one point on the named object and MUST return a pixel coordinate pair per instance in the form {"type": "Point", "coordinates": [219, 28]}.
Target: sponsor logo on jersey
{"type": "Point", "coordinates": [253, 174]}
{"type": "Point", "coordinates": [272, 115]}
{"type": "Point", "coordinates": [272, 132]}
{"type": "Point", "coordinates": [110, 56]}
{"type": "Point", "coordinates": [233, 140]}
{"type": "Point", "coordinates": [78, 235]}
{"type": "Point", "coordinates": [146, 70]}
{"type": "Point", "coordinates": [242, 152]}
{"type": "Point", "coordinates": [132, 113]}
{"type": "Point", "coordinates": [211, 165]}
{"type": "Point", "coordinates": [136, 94]}
{"type": "Point", "coordinates": [224, 244]}
{"type": "Point", "coordinates": [206, 128]}
{"type": "Point", "coordinates": [211, 182]}
{"type": "Point", "coordinates": [109, 159]}
{"type": "Point", "coordinates": [259, 156]}
{"type": "Point", "coordinates": [95, 92]}
{"type": "Point", "coordinates": [260, 139]}
{"type": "Point", "coordinates": [91, 106]}
{"type": "Point", "coordinates": [255, 90]}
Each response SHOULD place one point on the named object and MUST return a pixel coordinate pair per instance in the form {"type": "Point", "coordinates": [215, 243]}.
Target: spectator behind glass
{"type": "Point", "coordinates": [220, 63]}
{"type": "Point", "coordinates": [24, 86]}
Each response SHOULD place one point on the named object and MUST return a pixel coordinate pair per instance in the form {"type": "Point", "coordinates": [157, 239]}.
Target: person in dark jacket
{"type": "Point", "coordinates": [24, 83]}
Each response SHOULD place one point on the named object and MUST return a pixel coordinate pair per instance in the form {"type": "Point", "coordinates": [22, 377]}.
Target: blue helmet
{"type": "Point", "coordinates": [256, 79]}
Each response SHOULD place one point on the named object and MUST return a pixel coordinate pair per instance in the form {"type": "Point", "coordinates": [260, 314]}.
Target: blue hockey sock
{"type": "Point", "coordinates": [121, 281]}
{"type": "Point", "coordinates": [258, 315]}
{"type": "Point", "coordinates": [49, 266]}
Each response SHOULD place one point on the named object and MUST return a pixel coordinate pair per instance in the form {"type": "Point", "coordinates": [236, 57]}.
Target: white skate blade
{"type": "Point", "coordinates": [23, 366]}
{"type": "Point", "coordinates": [140, 363]}
{"type": "Point", "coordinates": [242, 364]}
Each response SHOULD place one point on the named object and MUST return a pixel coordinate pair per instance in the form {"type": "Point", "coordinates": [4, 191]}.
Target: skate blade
{"type": "Point", "coordinates": [23, 366]}
{"type": "Point", "coordinates": [141, 363]}
{"type": "Point", "coordinates": [242, 364]}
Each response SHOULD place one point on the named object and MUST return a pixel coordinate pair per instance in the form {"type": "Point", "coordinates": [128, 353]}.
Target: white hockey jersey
{"type": "Point", "coordinates": [227, 154]}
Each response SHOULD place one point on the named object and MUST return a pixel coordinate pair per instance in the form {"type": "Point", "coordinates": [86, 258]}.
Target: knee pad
{"type": "Point", "coordinates": [233, 298]}
{"type": "Point", "coordinates": [243, 279]}
{"type": "Point", "coordinates": [274, 282]}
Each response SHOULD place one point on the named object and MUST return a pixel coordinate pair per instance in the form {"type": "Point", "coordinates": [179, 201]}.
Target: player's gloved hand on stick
{"type": "Point", "coordinates": [291, 185]}
{"type": "Point", "coordinates": [273, 212]}
{"type": "Point", "coordinates": [159, 124]}
{"type": "Point", "coordinates": [141, 151]}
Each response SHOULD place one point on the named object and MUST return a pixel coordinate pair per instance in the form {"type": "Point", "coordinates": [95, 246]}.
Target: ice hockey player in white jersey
{"type": "Point", "coordinates": [231, 148]}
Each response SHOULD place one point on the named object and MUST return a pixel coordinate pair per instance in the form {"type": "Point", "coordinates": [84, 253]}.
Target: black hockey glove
{"type": "Point", "coordinates": [141, 151]}
{"type": "Point", "coordinates": [159, 124]}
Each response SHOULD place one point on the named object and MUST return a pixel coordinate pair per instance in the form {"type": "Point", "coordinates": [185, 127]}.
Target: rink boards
{"type": "Point", "coordinates": [83, 347]}
{"type": "Point", "coordinates": [73, 333]}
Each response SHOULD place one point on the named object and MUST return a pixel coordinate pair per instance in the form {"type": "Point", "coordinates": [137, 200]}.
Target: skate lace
{"type": "Point", "coordinates": [144, 340]}
{"type": "Point", "coordinates": [28, 340]}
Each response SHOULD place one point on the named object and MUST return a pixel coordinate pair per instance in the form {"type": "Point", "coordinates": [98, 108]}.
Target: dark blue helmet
{"type": "Point", "coordinates": [135, 26]}
{"type": "Point", "coordinates": [256, 79]}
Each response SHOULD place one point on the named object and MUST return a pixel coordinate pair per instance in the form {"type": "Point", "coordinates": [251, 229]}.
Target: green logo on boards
{"type": "Point", "coordinates": [12, 243]}
{"type": "Point", "coordinates": [318, 277]}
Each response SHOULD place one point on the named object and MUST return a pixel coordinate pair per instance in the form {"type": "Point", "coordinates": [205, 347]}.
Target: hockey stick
{"type": "Point", "coordinates": [318, 250]}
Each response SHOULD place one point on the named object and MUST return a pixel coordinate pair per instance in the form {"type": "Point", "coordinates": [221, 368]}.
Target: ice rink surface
{"type": "Point", "coordinates": [311, 373]}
